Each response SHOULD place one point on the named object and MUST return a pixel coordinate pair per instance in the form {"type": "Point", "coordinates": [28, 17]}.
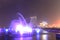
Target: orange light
{"type": "Point", "coordinates": [57, 23]}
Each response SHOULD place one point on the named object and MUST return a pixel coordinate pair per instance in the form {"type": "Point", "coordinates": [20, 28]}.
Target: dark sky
{"type": "Point", "coordinates": [44, 9]}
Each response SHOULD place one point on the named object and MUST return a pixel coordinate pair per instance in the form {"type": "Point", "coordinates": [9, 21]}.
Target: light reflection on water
{"type": "Point", "coordinates": [23, 38]}
{"type": "Point", "coordinates": [44, 37]}
{"type": "Point", "coordinates": [34, 37]}
{"type": "Point", "coordinates": [37, 37]}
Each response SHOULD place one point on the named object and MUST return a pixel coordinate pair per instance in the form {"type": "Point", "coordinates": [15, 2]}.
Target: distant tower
{"type": "Point", "coordinates": [33, 21]}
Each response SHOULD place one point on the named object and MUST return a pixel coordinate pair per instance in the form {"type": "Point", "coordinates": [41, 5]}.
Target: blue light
{"type": "Point", "coordinates": [6, 30]}
{"type": "Point", "coordinates": [37, 30]}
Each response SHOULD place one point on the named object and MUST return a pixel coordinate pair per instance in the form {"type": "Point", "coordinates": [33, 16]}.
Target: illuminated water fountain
{"type": "Point", "coordinates": [20, 25]}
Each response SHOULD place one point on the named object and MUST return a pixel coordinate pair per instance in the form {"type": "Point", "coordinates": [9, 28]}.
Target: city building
{"type": "Point", "coordinates": [33, 21]}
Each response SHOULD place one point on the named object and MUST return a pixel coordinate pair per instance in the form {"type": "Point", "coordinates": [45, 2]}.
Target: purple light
{"type": "Point", "coordinates": [6, 30]}
{"type": "Point", "coordinates": [0, 30]}
{"type": "Point", "coordinates": [19, 28]}
{"type": "Point", "coordinates": [20, 25]}
{"type": "Point", "coordinates": [23, 29]}
{"type": "Point", "coordinates": [28, 29]}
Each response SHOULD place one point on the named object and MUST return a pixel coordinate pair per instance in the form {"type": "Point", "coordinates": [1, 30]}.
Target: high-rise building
{"type": "Point", "coordinates": [33, 21]}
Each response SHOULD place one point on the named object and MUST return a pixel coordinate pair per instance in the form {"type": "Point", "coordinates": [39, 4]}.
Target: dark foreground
{"type": "Point", "coordinates": [43, 35]}
{"type": "Point", "coordinates": [51, 36]}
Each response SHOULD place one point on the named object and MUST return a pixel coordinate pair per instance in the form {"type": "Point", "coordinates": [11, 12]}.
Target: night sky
{"type": "Point", "coordinates": [43, 9]}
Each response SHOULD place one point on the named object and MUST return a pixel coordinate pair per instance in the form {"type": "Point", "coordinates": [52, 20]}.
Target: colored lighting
{"type": "Point", "coordinates": [43, 24]}
{"type": "Point", "coordinates": [20, 25]}
{"type": "Point", "coordinates": [45, 31]}
{"type": "Point", "coordinates": [45, 37]}
{"type": "Point", "coordinates": [0, 30]}
{"type": "Point", "coordinates": [6, 30]}
{"type": "Point", "coordinates": [37, 30]}
{"type": "Point", "coordinates": [23, 29]}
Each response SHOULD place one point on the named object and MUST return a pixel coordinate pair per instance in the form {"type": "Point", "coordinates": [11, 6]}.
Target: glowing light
{"type": "Point", "coordinates": [56, 23]}
{"type": "Point", "coordinates": [38, 37]}
{"type": "Point", "coordinates": [0, 30]}
{"type": "Point", "coordinates": [23, 29]}
{"type": "Point", "coordinates": [27, 29]}
{"type": "Point", "coordinates": [45, 37]}
{"type": "Point", "coordinates": [20, 25]}
{"type": "Point", "coordinates": [37, 30]}
{"type": "Point", "coordinates": [45, 31]}
{"type": "Point", "coordinates": [19, 28]}
{"type": "Point", "coordinates": [43, 24]}
{"type": "Point", "coordinates": [6, 30]}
